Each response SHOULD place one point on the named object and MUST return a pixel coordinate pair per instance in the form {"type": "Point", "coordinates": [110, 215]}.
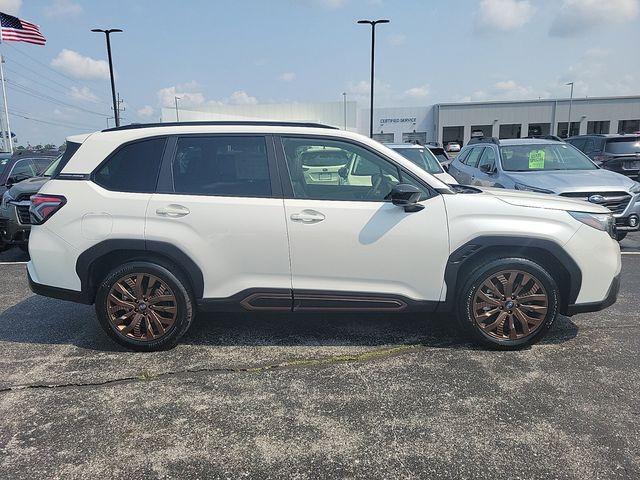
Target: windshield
{"type": "Point", "coordinates": [543, 156]}
{"type": "Point", "coordinates": [52, 168]}
{"type": "Point", "coordinates": [622, 146]}
{"type": "Point", "coordinates": [440, 154]}
{"type": "Point", "coordinates": [422, 157]}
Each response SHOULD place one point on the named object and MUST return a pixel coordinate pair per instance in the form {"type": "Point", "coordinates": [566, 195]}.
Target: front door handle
{"type": "Point", "coordinates": [173, 211]}
{"type": "Point", "coordinates": [307, 216]}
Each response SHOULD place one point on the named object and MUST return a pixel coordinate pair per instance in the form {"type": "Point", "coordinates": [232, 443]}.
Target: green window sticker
{"type": "Point", "coordinates": [536, 159]}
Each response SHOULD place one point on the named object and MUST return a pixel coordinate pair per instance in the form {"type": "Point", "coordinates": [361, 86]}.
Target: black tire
{"type": "Point", "coordinates": [621, 236]}
{"type": "Point", "coordinates": [483, 272]}
{"type": "Point", "coordinates": [184, 310]}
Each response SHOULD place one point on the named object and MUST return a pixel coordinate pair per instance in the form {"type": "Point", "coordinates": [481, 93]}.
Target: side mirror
{"type": "Point", "coordinates": [407, 196]}
{"type": "Point", "coordinates": [486, 168]}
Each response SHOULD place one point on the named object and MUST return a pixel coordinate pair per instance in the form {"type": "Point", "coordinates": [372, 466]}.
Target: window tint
{"type": "Point", "coordinates": [488, 158]}
{"type": "Point", "coordinates": [364, 176]}
{"type": "Point", "coordinates": [579, 143]}
{"type": "Point", "coordinates": [133, 168]}
{"type": "Point", "coordinates": [623, 146]}
{"type": "Point", "coordinates": [222, 166]}
{"type": "Point", "coordinates": [22, 170]}
{"type": "Point", "coordinates": [473, 157]}
{"type": "Point", "coordinates": [42, 164]}
{"type": "Point", "coordinates": [70, 149]}
{"type": "Point", "coordinates": [462, 156]}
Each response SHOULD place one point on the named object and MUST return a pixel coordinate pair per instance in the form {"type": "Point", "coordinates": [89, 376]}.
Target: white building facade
{"type": "Point", "coordinates": [443, 122]}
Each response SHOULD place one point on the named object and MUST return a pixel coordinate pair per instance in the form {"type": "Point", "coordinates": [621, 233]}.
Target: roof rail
{"type": "Point", "coordinates": [254, 123]}
{"type": "Point", "coordinates": [546, 137]}
{"type": "Point", "coordinates": [484, 140]}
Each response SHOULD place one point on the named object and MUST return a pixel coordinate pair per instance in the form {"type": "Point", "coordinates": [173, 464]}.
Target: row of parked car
{"type": "Point", "coordinates": [601, 169]}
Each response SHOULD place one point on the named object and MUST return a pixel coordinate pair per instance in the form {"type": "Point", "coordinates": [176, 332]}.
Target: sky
{"type": "Point", "coordinates": [265, 51]}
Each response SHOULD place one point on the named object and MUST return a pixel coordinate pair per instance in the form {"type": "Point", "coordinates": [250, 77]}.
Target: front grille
{"type": "Point", "coordinates": [24, 197]}
{"type": "Point", "coordinates": [4, 223]}
{"type": "Point", "coordinates": [23, 214]}
{"type": "Point", "coordinates": [615, 201]}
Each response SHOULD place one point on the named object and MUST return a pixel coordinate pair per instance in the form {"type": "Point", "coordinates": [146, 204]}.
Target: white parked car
{"type": "Point", "coordinates": [153, 223]}
{"type": "Point", "coordinates": [453, 147]}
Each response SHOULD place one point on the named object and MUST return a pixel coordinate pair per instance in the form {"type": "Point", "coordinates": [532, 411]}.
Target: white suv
{"type": "Point", "coordinates": [154, 222]}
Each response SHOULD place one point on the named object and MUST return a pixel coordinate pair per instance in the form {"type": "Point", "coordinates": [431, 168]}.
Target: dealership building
{"type": "Point", "coordinates": [443, 122]}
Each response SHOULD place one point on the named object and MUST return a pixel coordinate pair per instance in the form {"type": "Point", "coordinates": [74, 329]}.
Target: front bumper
{"type": "Point", "coordinates": [12, 230]}
{"type": "Point", "coordinates": [610, 299]}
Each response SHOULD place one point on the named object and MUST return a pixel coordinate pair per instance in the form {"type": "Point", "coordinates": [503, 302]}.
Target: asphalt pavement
{"type": "Point", "coordinates": [317, 396]}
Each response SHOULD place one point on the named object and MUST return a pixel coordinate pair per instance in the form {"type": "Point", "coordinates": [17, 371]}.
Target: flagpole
{"type": "Point", "coordinates": [6, 108]}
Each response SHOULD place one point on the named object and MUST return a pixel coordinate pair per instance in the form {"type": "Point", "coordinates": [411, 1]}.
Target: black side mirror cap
{"type": "Point", "coordinates": [407, 196]}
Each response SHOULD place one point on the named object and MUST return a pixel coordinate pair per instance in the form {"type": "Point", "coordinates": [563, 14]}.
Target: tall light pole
{"type": "Point", "coordinates": [176, 100]}
{"type": "Point", "coordinates": [108, 32]}
{"type": "Point", "coordinates": [570, 104]}
{"type": "Point", "coordinates": [373, 24]}
{"type": "Point", "coordinates": [344, 98]}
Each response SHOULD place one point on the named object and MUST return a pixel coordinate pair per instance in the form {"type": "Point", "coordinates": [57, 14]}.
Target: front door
{"type": "Point", "coordinates": [350, 247]}
{"type": "Point", "coordinates": [223, 207]}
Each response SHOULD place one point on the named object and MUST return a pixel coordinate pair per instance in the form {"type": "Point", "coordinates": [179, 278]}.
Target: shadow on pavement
{"type": "Point", "coordinates": [38, 320]}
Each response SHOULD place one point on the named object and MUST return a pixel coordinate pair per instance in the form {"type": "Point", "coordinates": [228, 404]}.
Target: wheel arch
{"type": "Point", "coordinates": [94, 263]}
{"type": "Point", "coordinates": [547, 253]}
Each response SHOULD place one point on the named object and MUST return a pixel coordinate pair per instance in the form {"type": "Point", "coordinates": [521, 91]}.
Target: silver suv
{"type": "Point", "coordinates": [548, 166]}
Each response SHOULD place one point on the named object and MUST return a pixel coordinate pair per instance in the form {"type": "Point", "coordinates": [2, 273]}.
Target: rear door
{"type": "Point", "coordinates": [486, 178]}
{"type": "Point", "coordinates": [219, 200]}
{"type": "Point", "coordinates": [468, 167]}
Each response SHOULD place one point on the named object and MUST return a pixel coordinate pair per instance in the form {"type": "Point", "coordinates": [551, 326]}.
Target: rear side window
{"type": "Point", "coordinates": [70, 149]}
{"type": "Point", "coordinates": [222, 166]}
{"type": "Point", "coordinates": [132, 168]}
{"type": "Point", "coordinates": [624, 146]}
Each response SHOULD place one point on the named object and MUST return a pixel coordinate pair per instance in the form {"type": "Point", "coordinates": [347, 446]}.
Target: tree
{"type": "Point", "coordinates": [38, 147]}
{"type": "Point", "coordinates": [20, 147]}
{"type": "Point", "coordinates": [49, 146]}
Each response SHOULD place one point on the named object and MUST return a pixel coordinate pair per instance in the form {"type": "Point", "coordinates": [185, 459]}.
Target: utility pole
{"type": "Point", "coordinates": [175, 98]}
{"type": "Point", "coordinates": [107, 34]}
{"type": "Point", "coordinates": [570, 104]}
{"type": "Point", "coordinates": [373, 24]}
{"type": "Point", "coordinates": [344, 96]}
{"type": "Point", "coordinates": [118, 114]}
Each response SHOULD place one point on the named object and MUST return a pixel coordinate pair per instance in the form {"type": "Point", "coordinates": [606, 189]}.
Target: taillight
{"type": "Point", "coordinates": [44, 206]}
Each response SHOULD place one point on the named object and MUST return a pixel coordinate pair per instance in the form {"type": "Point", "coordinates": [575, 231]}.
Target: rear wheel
{"type": "Point", "coordinates": [144, 306]}
{"type": "Point", "coordinates": [508, 303]}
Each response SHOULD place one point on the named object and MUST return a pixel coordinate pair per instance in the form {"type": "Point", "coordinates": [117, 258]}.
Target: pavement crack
{"type": "Point", "coordinates": [300, 363]}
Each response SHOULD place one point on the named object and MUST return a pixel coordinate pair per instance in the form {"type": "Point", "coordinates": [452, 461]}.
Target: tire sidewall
{"type": "Point", "coordinates": [184, 305]}
{"type": "Point", "coordinates": [479, 275]}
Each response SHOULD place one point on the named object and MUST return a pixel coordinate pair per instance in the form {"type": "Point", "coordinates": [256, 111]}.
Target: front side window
{"type": "Point", "coordinates": [234, 166]}
{"type": "Point", "coordinates": [473, 157]}
{"type": "Point", "coordinates": [550, 156]}
{"type": "Point", "coordinates": [488, 159]}
{"type": "Point", "coordinates": [422, 157]}
{"type": "Point", "coordinates": [133, 168]}
{"type": "Point", "coordinates": [354, 173]}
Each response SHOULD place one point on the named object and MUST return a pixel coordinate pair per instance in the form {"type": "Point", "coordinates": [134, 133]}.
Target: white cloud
{"type": "Point", "coordinates": [11, 7]}
{"type": "Point", "coordinates": [146, 112]}
{"type": "Point", "coordinates": [63, 8]}
{"type": "Point", "coordinates": [332, 4]}
{"type": "Point", "coordinates": [417, 92]}
{"type": "Point", "coordinates": [505, 90]}
{"type": "Point", "coordinates": [287, 77]}
{"type": "Point", "coordinates": [241, 97]}
{"type": "Point", "coordinates": [579, 16]}
{"type": "Point", "coordinates": [503, 15]}
{"type": "Point", "coordinates": [187, 94]}
{"type": "Point", "coordinates": [83, 94]}
{"type": "Point", "coordinates": [78, 66]}
{"type": "Point", "coordinates": [397, 39]}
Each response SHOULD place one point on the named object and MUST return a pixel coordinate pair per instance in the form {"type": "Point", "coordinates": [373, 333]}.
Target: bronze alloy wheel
{"type": "Point", "coordinates": [510, 305]}
{"type": "Point", "coordinates": [142, 307]}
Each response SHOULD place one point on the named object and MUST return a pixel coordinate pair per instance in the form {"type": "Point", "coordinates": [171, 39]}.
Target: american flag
{"type": "Point", "coordinates": [16, 30]}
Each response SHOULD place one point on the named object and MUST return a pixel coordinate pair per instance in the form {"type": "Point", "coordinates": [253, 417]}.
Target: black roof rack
{"type": "Point", "coordinates": [546, 137]}
{"type": "Point", "coordinates": [253, 123]}
{"type": "Point", "coordinates": [484, 140]}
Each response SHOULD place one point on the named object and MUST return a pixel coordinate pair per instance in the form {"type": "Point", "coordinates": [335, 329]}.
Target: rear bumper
{"type": "Point", "coordinates": [56, 292]}
{"type": "Point", "coordinates": [610, 299]}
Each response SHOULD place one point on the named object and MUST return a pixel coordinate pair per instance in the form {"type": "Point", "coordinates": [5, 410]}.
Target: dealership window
{"type": "Point", "coordinates": [562, 129]}
{"type": "Point", "coordinates": [539, 129]}
{"type": "Point", "coordinates": [598, 127]}
{"type": "Point", "coordinates": [383, 137]}
{"type": "Point", "coordinates": [510, 130]}
{"type": "Point", "coordinates": [628, 126]}
{"type": "Point", "coordinates": [452, 134]}
{"type": "Point", "coordinates": [481, 130]}
{"type": "Point", "coordinates": [413, 137]}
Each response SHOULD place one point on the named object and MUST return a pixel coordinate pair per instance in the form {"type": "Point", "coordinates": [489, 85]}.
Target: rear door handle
{"type": "Point", "coordinates": [173, 211]}
{"type": "Point", "coordinates": [307, 216]}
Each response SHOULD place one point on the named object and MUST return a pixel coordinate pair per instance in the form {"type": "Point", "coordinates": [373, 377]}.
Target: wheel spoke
{"type": "Point", "coordinates": [532, 298]}
{"type": "Point", "coordinates": [119, 287]}
{"type": "Point", "coordinates": [491, 286]}
{"type": "Point", "coordinates": [523, 321]}
{"type": "Point", "coordinates": [152, 281]}
{"type": "Point", "coordinates": [157, 321]}
{"type": "Point", "coordinates": [138, 285]}
{"type": "Point", "coordinates": [117, 302]}
{"type": "Point", "coordinates": [512, 329]}
{"type": "Point", "coordinates": [488, 299]}
{"type": "Point", "coordinates": [525, 280]}
{"type": "Point", "coordinates": [134, 323]}
{"type": "Point", "coordinates": [498, 322]}
{"type": "Point", "coordinates": [161, 308]}
{"type": "Point", "coordinates": [508, 287]}
{"type": "Point", "coordinates": [161, 298]}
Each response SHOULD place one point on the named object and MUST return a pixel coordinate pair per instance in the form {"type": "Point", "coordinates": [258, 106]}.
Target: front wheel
{"type": "Point", "coordinates": [508, 303]}
{"type": "Point", "coordinates": [144, 307]}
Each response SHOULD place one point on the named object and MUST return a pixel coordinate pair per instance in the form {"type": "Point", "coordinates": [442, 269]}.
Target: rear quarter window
{"type": "Point", "coordinates": [134, 167]}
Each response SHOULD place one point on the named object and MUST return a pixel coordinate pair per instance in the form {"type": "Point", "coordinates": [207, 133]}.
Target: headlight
{"type": "Point", "coordinates": [6, 198]}
{"type": "Point", "coordinates": [635, 188]}
{"type": "Point", "coordinates": [600, 221]}
{"type": "Point", "coordinates": [522, 186]}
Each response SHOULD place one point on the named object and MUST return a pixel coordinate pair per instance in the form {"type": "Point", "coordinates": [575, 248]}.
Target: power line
{"type": "Point", "coordinates": [53, 89]}
{"type": "Point", "coordinates": [34, 93]}
{"type": "Point", "coordinates": [49, 122]}
{"type": "Point", "coordinates": [39, 62]}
